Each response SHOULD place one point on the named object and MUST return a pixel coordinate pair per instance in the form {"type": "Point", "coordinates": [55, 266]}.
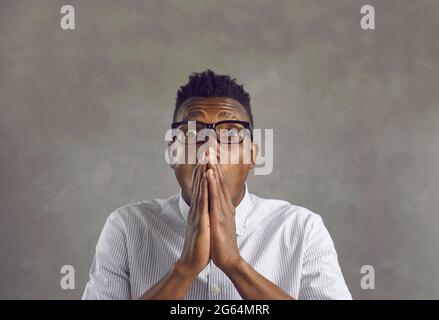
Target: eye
{"type": "Point", "coordinates": [233, 133]}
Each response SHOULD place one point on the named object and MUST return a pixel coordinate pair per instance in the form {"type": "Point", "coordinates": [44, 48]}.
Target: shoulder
{"type": "Point", "coordinates": [281, 209]}
{"type": "Point", "coordinates": [139, 213]}
{"type": "Point", "coordinates": [285, 215]}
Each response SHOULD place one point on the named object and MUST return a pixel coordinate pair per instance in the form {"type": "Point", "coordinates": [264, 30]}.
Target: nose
{"type": "Point", "coordinates": [212, 142]}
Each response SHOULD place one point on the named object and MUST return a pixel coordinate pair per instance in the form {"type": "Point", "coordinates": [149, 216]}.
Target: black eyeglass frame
{"type": "Point", "coordinates": [245, 124]}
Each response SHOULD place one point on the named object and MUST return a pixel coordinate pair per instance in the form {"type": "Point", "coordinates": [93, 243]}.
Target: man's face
{"type": "Point", "coordinates": [211, 110]}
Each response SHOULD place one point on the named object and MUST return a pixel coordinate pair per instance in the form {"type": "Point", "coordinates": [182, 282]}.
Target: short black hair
{"type": "Point", "coordinates": [209, 84]}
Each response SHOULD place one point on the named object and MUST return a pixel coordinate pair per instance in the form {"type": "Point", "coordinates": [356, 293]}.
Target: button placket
{"type": "Point", "coordinates": [216, 289]}
{"type": "Point", "coordinates": [214, 283]}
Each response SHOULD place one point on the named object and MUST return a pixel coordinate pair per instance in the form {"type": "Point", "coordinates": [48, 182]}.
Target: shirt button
{"type": "Point", "coordinates": [216, 289]}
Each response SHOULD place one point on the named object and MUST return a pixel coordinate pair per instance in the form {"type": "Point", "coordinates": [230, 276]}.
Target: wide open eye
{"type": "Point", "coordinates": [233, 133]}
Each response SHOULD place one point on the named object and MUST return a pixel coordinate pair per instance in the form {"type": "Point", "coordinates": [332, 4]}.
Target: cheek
{"type": "Point", "coordinates": [236, 175]}
{"type": "Point", "coordinates": [183, 173]}
{"type": "Point", "coordinates": [236, 154]}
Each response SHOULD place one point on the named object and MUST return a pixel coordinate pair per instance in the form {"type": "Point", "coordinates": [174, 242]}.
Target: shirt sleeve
{"type": "Point", "coordinates": [322, 278]}
{"type": "Point", "coordinates": [109, 274]}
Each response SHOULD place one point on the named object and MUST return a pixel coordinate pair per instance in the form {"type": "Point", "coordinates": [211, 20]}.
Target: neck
{"type": "Point", "coordinates": [238, 196]}
{"type": "Point", "coordinates": [236, 199]}
{"type": "Point", "coordinates": [186, 199]}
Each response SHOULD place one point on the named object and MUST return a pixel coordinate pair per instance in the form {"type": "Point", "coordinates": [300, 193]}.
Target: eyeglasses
{"type": "Point", "coordinates": [227, 131]}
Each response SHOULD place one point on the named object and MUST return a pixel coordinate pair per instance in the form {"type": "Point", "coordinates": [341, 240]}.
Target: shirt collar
{"type": "Point", "coordinates": [241, 211]}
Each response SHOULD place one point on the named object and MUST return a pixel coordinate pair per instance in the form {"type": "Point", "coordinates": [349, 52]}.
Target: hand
{"type": "Point", "coordinates": [196, 249]}
{"type": "Point", "coordinates": [223, 246]}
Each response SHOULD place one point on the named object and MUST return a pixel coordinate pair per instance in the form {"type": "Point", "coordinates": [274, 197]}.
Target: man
{"type": "Point", "coordinates": [214, 240]}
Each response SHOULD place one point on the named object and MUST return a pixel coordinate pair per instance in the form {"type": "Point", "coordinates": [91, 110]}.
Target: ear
{"type": "Point", "coordinates": [254, 154]}
{"type": "Point", "coordinates": [168, 151]}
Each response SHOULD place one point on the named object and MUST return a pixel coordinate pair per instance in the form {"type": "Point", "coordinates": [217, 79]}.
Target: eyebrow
{"type": "Point", "coordinates": [227, 115]}
{"type": "Point", "coordinates": [195, 113]}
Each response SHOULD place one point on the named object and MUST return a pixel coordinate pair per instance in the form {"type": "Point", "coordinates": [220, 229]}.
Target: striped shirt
{"type": "Point", "coordinates": [287, 244]}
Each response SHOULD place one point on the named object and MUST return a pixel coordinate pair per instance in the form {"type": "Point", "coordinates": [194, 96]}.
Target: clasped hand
{"type": "Point", "coordinates": [211, 228]}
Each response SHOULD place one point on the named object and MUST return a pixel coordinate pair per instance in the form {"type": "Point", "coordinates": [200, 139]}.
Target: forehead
{"type": "Point", "coordinates": [222, 107]}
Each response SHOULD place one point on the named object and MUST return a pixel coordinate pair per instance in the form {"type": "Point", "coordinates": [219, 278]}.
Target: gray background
{"type": "Point", "coordinates": [83, 115]}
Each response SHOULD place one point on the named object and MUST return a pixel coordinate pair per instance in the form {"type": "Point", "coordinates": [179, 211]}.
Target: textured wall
{"type": "Point", "coordinates": [356, 118]}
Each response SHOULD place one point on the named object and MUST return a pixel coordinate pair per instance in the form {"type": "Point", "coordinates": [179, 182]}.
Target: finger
{"type": "Point", "coordinates": [203, 157]}
{"type": "Point", "coordinates": [212, 157]}
{"type": "Point", "coordinates": [219, 172]}
{"type": "Point", "coordinates": [204, 202]}
{"type": "Point", "coordinates": [224, 182]}
{"type": "Point", "coordinates": [222, 185]}
{"type": "Point", "coordinates": [226, 203]}
{"type": "Point", "coordinates": [203, 198]}
{"type": "Point", "coordinates": [202, 165]}
{"type": "Point", "coordinates": [193, 179]}
{"type": "Point", "coordinates": [196, 185]}
{"type": "Point", "coordinates": [213, 164]}
{"type": "Point", "coordinates": [198, 173]}
{"type": "Point", "coordinates": [213, 192]}
{"type": "Point", "coordinates": [223, 179]}
{"type": "Point", "coordinates": [195, 193]}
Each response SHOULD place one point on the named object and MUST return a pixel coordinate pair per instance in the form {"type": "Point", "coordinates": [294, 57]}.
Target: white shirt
{"type": "Point", "coordinates": [287, 244]}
